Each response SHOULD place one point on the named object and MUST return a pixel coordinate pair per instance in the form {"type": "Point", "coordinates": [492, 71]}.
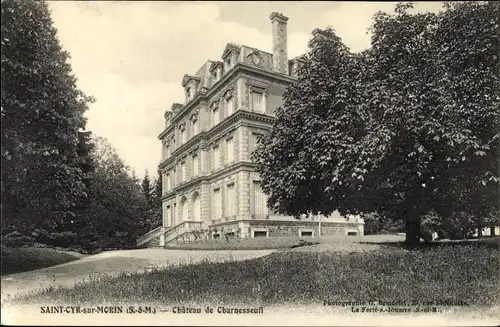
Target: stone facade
{"type": "Point", "coordinates": [206, 165]}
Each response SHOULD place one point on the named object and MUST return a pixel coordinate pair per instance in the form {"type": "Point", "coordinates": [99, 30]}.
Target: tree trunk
{"type": "Point", "coordinates": [480, 231]}
{"type": "Point", "coordinates": [492, 231]}
{"type": "Point", "coordinates": [413, 230]}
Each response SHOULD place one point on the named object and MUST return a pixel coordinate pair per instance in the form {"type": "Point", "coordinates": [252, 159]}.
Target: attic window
{"type": "Point", "coordinates": [189, 94]}
{"type": "Point", "coordinates": [228, 64]}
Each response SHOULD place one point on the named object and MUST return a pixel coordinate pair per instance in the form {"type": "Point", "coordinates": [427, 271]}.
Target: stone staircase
{"type": "Point", "coordinates": [159, 237]}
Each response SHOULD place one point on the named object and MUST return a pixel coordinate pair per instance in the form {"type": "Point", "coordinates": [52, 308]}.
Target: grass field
{"type": "Point", "coordinates": [445, 273]}
{"type": "Point", "coordinates": [286, 242]}
{"type": "Point", "coordinates": [246, 244]}
{"type": "Point", "coordinates": [16, 260]}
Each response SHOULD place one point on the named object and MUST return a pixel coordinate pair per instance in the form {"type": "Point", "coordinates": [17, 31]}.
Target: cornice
{"type": "Point", "coordinates": [207, 178]}
{"type": "Point", "coordinates": [191, 144]}
{"type": "Point", "coordinates": [248, 118]}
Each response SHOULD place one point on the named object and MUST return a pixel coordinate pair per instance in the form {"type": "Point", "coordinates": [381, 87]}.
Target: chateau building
{"type": "Point", "coordinates": [210, 187]}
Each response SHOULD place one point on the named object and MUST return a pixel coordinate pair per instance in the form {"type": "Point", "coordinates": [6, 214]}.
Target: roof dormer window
{"type": "Point", "coordinates": [188, 93]}
{"type": "Point", "coordinates": [228, 64]}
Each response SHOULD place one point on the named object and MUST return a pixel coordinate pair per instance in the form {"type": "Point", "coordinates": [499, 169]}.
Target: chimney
{"type": "Point", "coordinates": [280, 56]}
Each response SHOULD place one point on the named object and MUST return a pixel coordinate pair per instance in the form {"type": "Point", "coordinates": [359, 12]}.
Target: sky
{"type": "Point", "coordinates": [131, 55]}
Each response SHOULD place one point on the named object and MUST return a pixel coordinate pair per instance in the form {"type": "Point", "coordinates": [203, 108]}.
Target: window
{"type": "Point", "coordinates": [195, 126]}
{"type": "Point", "coordinates": [231, 201]}
{"type": "Point", "coordinates": [167, 215]}
{"type": "Point", "coordinates": [257, 101]}
{"type": "Point", "coordinates": [167, 151]}
{"type": "Point", "coordinates": [254, 141]}
{"type": "Point", "coordinates": [188, 93]}
{"type": "Point", "coordinates": [215, 116]}
{"type": "Point", "coordinates": [196, 168]}
{"type": "Point", "coordinates": [184, 136]}
{"type": "Point", "coordinates": [174, 214]}
{"type": "Point", "coordinates": [216, 204]}
{"type": "Point", "coordinates": [307, 232]}
{"type": "Point", "coordinates": [229, 106]}
{"type": "Point", "coordinates": [164, 151]}
{"type": "Point", "coordinates": [230, 150]}
{"type": "Point", "coordinates": [228, 64]}
{"type": "Point", "coordinates": [216, 157]}
{"type": "Point", "coordinates": [181, 136]}
{"type": "Point", "coordinates": [260, 233]}
{"type": "Point", "coordinates": [174, 179]}
{"type": "Point", "coordinates": [352, 233]}
{"type": "Point", "coordinates": [183, 172]}
{"type": "Point", "coordinates": [167, 182]}
{"type": "Point", "coordinates": [163, 184]}
{"type": "Point", "coordinates": [259, 200]}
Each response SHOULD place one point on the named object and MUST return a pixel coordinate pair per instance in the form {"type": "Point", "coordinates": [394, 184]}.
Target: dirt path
{"type": "Point", "coordinates": [113, 263]}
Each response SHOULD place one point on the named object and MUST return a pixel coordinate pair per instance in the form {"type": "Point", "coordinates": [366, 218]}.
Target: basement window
{"type": "Point", "coordinates": [303, 233]}
{"type": "Point", "coordinates": [352, 233]}
{"type": "Point", "coordinates": [260, 233]}
{"type": "Point", "coordinates": [216, 236]}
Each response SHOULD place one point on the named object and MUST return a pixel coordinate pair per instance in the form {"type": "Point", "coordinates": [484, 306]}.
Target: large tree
{"type": "Point", "coordinates": [146, 188]}
{"type": "Point", "coordinates": [406, 127]}
{"type": "Point", "coordinates": [152, 193]}
{"type": "Point", "coordinates": [41, 113]}
{"type": "Point", "coordinates": [117, 205]}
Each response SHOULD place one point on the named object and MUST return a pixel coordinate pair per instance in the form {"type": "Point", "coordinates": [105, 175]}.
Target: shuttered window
{"type": "Point", "coordinates": [229, 106]}
{"type": "Point", "coordinates": [216, 158]}
{"type": "Point", "coordinates": [215, 117]}
{"type": "Point", "coordinates": [230, 150]}
{"type": "Point", "coordinates": [167, 183]}
{"type": "Point", "coordinates": [195, 127]}
{"type": "Point", "coordinates": [183, 172]}
{"type": "Point", "coordinates": [196, 166]}
{"type": "Point", "coordinates": [257, 103]}
{"type": "Point", "coordinates": [216, 204]}
{"type": "Point", "coordinates": [231, 200]}
{"type": "Point", "coordinates": [259, 199]}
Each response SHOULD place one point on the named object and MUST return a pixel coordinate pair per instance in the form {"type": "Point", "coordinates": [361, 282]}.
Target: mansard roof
{"type": "Point", "coordinates": [187, 78]}
{"type": "Point", "coordinates": [175, 106]}
{"type": "Point", "coordinates": [230, 47]}
{"type": "Point", "coordinates": [214, 65]}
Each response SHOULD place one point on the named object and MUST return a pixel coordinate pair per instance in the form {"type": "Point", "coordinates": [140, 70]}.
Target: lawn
{"type": "Point", "coordinates": [16, 260]}
{"type": "Point", "coordinates": [263, 243]}
{"type": "Point", "coordinates": [287, 242]}
{"type": "Point", "coordinates": [445, 273]}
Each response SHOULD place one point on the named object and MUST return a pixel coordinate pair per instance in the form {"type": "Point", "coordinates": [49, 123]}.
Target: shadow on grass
{"type": "Point", "coordinates": [490, 243]}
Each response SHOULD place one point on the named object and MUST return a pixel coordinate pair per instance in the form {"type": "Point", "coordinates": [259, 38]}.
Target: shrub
{"type": "Point", "coordinates": [23, 259]}
{"type": "Point", "coordinates": [16, 239]}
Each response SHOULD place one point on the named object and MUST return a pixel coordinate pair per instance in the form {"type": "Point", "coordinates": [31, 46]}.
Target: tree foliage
{"type": "Point", "coordinates": [146, 188]}
{"type": "Point", "coordinates": [116, 202]}
{"type": "Point", "coordinates": [405, 127]}
{"type": "Point", "coordinates": [152, 193]}
{"type": "Point", "coordinates": [42, 110]}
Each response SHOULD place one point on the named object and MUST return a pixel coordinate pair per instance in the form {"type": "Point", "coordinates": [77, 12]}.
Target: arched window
{"type": "Point", "coordinates": [215, 114]}
{"type": "Point", "coordinates": [229, 102]}
{"type": "Point", "coordinates": [195, 124]}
